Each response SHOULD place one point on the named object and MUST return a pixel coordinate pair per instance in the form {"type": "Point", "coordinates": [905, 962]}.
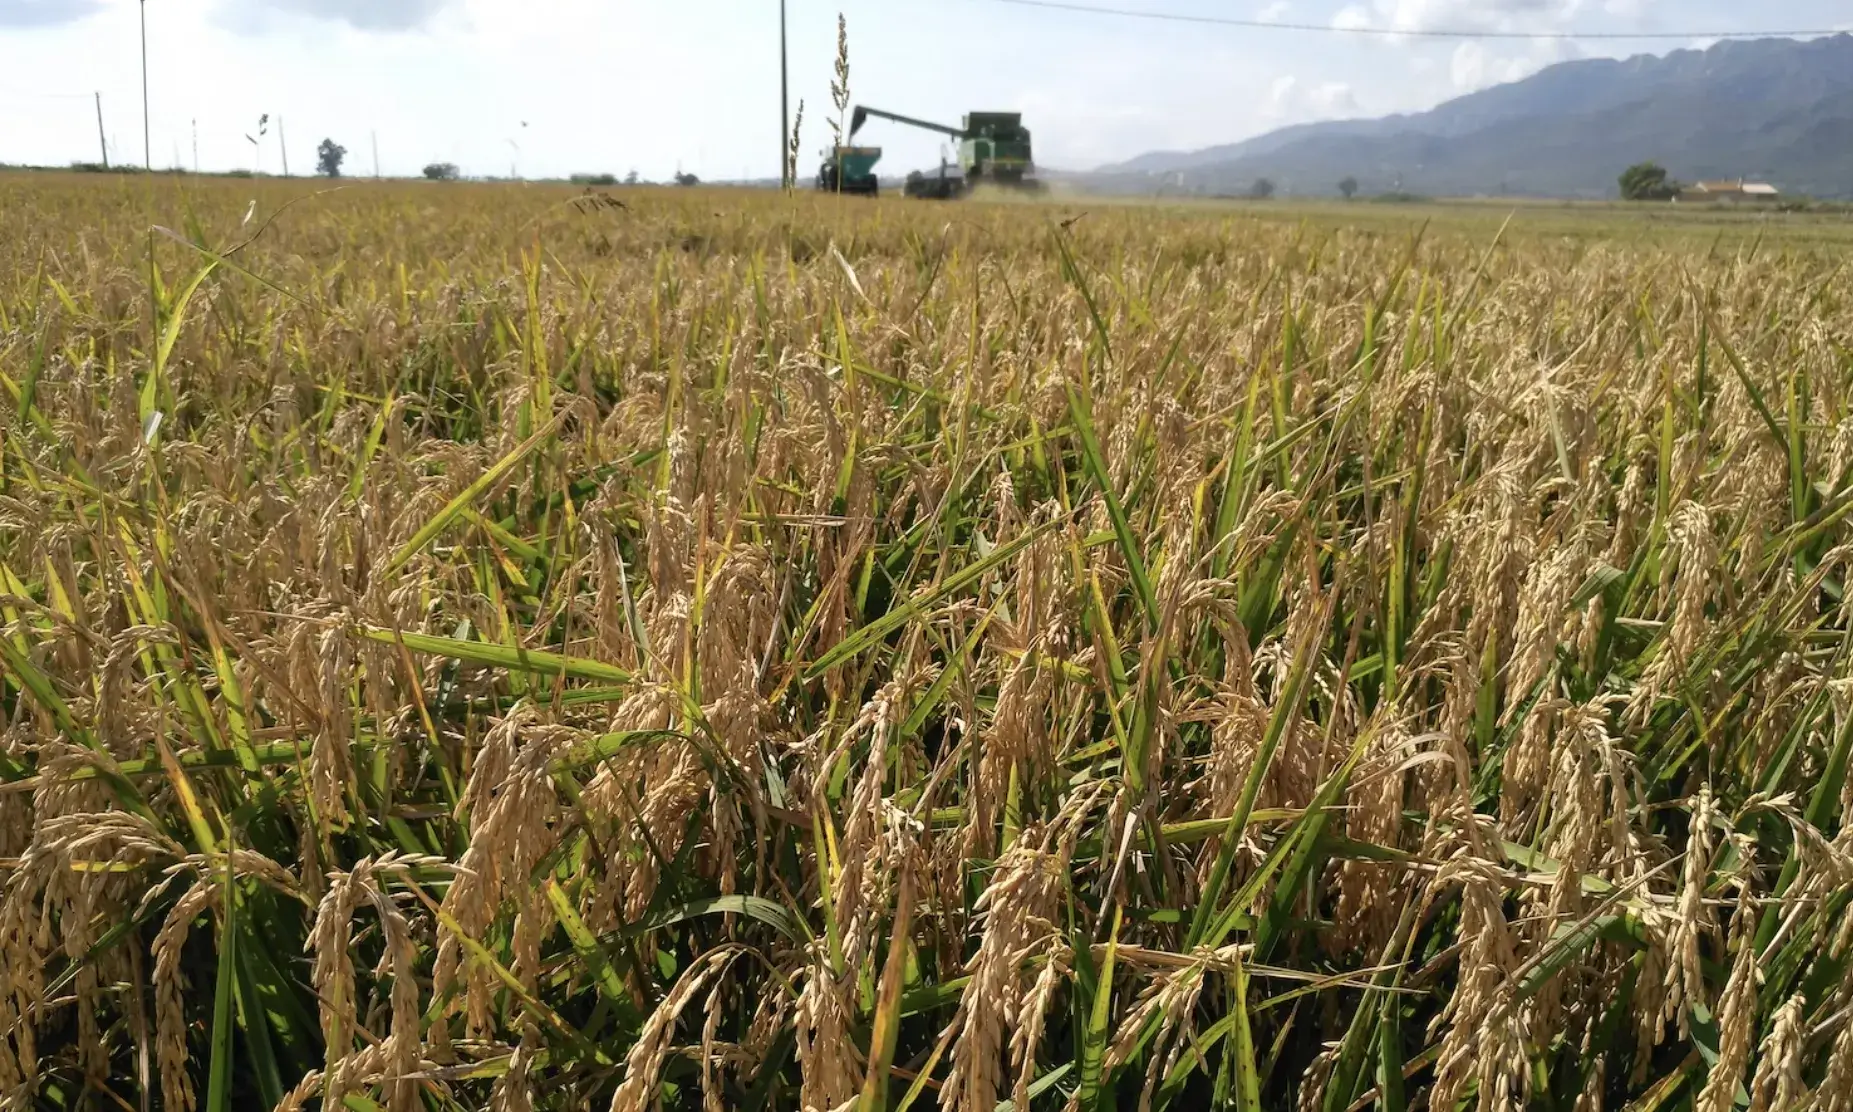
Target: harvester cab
{"type": "Point", "coordinates": [996, 147]}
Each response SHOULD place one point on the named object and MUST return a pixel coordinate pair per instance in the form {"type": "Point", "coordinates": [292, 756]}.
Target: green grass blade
{"type": "Point", "coordinates": [1301, 863]}
{"type": "Point", "coordinates": [531, 661]}
{"type": "Point", "coordinates": [1094, 1038]}
{"type": "Point", "coordinates": [456, 506]}
{"type": "Point", "coordinates": [894, 619]}
{"type": "Point", "coordinates": [936, 694]}
{"type": "Point", "coordinates": [1286, 709]}
{"type": "Point", "coordinates": [1122, 529]}
{"type": "Point", "coordinates": [219, 1074]}
{"type": "Point", "coordinates": [375, 435]}
{"type": "Point", "coordinates": [774, 915]}
{"type": "Point", "coordinates": [887, 1020]}
{"type": "Point", "coordinates": [1569, 942]}
{"type": "Point", "coordinates": [1743, 374]}
{"type": "Point", "coordinates": [1390, 1059]}
{"type": "Point", "coordinates": [584, 943]}
{"type": "Point", "coordinates": [1242, 1043]}
{"type": "Point", "coordinates": [1235, 482]}
{"type": "Point", "coordinates": [176, 316]}
{"type": "Point", "coordinates": [1040, 1086]}
{"type": "Point", "coordinates": [253, 1020]}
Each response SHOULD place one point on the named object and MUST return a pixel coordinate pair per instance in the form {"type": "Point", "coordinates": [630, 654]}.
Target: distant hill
{"type": "Point", "coordinates": [1773, 109]}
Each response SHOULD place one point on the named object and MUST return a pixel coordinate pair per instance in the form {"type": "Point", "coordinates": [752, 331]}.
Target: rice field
{"type": "Point", "coordinates": [499, 647]}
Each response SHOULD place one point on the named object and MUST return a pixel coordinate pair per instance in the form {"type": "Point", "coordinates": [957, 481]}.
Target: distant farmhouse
{"type": "Point", "coordinates": [1730, 192]}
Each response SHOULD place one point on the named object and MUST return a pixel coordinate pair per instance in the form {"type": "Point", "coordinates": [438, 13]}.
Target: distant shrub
{"type": "Point", "coordinates": [1647, 181]}
{"type": "Point", "coordinates": [328, 158]}
{"type": "Point", "coordinates": [443, 171]}
{"type": "Point", "coordinates": [595, 179]}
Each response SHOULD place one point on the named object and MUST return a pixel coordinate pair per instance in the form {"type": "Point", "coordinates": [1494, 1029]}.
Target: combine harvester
{"type": "Point", "coordinates": [994, 149]}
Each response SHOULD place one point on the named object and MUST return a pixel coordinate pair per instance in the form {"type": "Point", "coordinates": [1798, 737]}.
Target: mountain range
{"type": "Point", "coordinates": [1776, 110]}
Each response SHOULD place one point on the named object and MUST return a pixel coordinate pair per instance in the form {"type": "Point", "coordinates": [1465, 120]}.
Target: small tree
{"type": "Point", "coordinates": [443, 171]}
{"type": "Point", "coordinates": [631, 178]}
{"type": "Point", "coordinates": [328, 158]}
{"type": "Point", "coordinates": [1647, 181]}
{"type": "Point", "coordinates": [1348, 187]}
{"type": "Point", "coordinates": [1262, 189]}
{"type": "Point", "coordinates": [686, 179]}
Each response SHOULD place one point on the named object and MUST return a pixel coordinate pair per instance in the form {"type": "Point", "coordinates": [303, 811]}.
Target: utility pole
{"type": "Point", "coordinates": [376, 153]}
{"type": "Point", "coordinates": [154, 274]}
{"type": "Point", "coordinates": [785, 181]}
{"type": "Point", "coordinates": [147, 127]}
{"type": "Point", "coordinates": [102, 143]}
{"type": "Point", "coordinates": [196, 145]}
{"type": "Point", "coordinates": [283, 147]}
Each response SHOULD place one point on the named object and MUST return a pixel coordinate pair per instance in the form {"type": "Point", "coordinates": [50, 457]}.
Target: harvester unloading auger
{"type": "Point", "coordinates": [994, 148]}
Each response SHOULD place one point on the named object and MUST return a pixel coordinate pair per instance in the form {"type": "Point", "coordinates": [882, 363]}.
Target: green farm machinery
{"type": "Point", "coordinates": [850, 170]}
{"type": "Point", "coordinates": [994, 148]}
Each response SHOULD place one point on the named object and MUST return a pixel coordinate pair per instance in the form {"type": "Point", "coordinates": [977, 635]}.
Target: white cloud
{"type": "Point", "coordinates": [1280, 93]}
{"type": "Point", "coordinates": [1274, 12]}
{"type": "Point", "coordinates": [1478, 63]}
{"type": "Point", "coordinates": [1290, 100]}
{"type": "Point", "coordinates": [1478, 15]}
{"type": "Point", "coordinates": [1354, 17]}
{"type": "Point", "coordinates": [1467, 68]}
{"type": "Point", "coordinates": [1474, 65]}
{"type": "Point", "coordinates": [1499, 16]}
{"type": "Point", "coordinates": [1627, 9]}
{"type": "Point", "coordinates": [1334, 98]}
{"type": "Point", "coordinates": [364, 15]}
{"type": "Point", "coordinates": [45, 13]}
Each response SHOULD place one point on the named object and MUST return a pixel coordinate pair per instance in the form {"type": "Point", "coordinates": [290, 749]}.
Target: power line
{"type": "Point", "coordinates": [1415, 33]}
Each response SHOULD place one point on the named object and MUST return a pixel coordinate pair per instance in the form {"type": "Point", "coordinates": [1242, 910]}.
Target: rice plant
{"type": "Point", "coordinates": [479, 650]}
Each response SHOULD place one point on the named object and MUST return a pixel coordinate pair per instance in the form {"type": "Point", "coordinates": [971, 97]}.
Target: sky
{"type": "Point", "coordinates": [546, 88]}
